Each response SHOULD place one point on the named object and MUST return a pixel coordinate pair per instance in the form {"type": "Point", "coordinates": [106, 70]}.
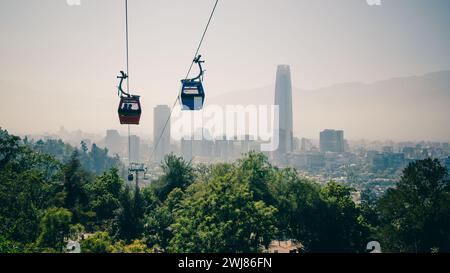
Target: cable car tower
{"type": "Point", "coordinates": [134, 170]}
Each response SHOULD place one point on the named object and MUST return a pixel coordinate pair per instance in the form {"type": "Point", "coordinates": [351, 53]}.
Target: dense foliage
{"type": "Point", "coordinates": [51, 193]}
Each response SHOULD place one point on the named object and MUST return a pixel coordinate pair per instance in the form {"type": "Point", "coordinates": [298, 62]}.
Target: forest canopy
{"type": "Point", "coordinates": [52, 193]}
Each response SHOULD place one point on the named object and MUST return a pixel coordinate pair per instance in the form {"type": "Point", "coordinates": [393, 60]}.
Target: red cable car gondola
{"type": "Point", "coordinates": [129, 107]}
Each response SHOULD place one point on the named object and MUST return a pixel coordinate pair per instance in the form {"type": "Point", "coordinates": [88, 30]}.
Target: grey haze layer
{"type": "Point", "coordinates": [407, 108]}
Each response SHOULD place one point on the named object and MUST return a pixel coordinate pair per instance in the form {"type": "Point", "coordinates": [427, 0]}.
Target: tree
{"type": "Point", "coordinates": [54, 228]}
{"type": "Point", "coordinates": [99, 242]}
{"type": "Point", "coordinates": [75, 196]}
{"type": "Point", "coordinates": [20, 203]}
{"type": "Point", "coordinates": [159, 218]}
{"type": "Point", "coordinates": [10, 246]}
{"type": "Point", "coordinates": [76, 232]}
{"type": "Point", "coordinates": [137, 246]}
{"type": "Point", "coordinates": [104, 196]}
{"type": "Point", "coordinates": [101, 162]}
{"type": "Point", "coordinates": [258, 170]}
{"type": "Point", "coordinates": [9, 147]}
{"type": "Point", "coordinates": [95, 160]}
{"type": "Point", "coordinates": [138, 212]}
{"type": "Point", "coordinates": [130, 218]}
{"type": "Point", "coordinates": [150, 199]}
{"type": "Point", "coordinates": [220, 215]}
{"type": "Point", "coordinates": [178, 173]}
{"type": "Point", "coordinates": [343, 228]}
{"type": "Point", "coordinates": [301, 208]}
{"type": "Point", "coordinates": [415, 214]}
{"type": "Point", "coordinates": [321, 219]}
{"type": "Point", "coordinates": [56, 148]}
{"type": "Point", "coordinates": [369, 212]}
{"type": "Point", "coordinates": [73, 182]}
{"type": "Point", "coordinates": [27, 185]}
{"type": "Point", "coordinates": [34, 181]}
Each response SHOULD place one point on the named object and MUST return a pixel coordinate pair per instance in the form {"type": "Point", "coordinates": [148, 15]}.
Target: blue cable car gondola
{"type": "Point", "coordinates": [192, 94]}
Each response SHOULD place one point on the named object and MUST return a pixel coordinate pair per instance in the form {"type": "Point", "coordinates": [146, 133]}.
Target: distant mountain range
{"type": "Point", "coordinates": [404, 108]}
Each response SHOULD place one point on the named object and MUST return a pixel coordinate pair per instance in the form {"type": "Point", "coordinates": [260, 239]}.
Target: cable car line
{"type": "Point", "coordinates": [127, 44]}
{"type": "Point", "coordinates": [203, 37]}
{"type": "Point", "coordinates": [129, 109]}
{"type": "Point", "coordinates": [195, 60]}
{"type": "Point", "coordinates": [164, 129]}
{"type": "Point", "coordinates": [128, 73]}
{"type": "Point", "coordinates": [192, 94]}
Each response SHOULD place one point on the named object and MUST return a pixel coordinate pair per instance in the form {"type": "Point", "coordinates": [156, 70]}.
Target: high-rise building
{"type": "Point", "coordinates": [315, 160]}
{"type": "Point", "coordinates": [283, 99]}
{"type": "Point", "coordinates": [332, 141]}
{"type": "Point", "coordinates": [306, 145]}
{"type": "Point", "coordinates": [383, 161]}
{"type": "Point", "coordinates": [135, 146]}
{"type": "Point", "coordinates": [113, 142]}
{"type": "Point", "coordinates": [186, 149]}
{"type": "Point", "coordinates": [223, 148]}
{"type": "Point", "coordinates": [161, 131]}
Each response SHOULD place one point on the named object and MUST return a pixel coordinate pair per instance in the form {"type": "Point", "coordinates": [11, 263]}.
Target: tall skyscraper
{"type": "Point", "coordinates": [135, 146]}
{"type": "Point", "coordinates": [283, 98]}
{"type": "Point", "coordinates": [161, 115]}
{"type": "Point", "coordinates": [113, 142]}
{"type": "Point", "coordinates": [332, 141]}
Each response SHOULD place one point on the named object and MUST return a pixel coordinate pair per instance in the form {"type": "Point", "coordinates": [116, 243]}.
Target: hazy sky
{"type": "Point", "coordinates": [58, 63]}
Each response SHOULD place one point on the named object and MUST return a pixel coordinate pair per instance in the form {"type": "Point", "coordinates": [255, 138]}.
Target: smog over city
{"type": "Point", "coordinates": [336, 58]}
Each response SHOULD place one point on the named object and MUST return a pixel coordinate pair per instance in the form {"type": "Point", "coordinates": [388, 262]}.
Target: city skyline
{"type": "Point", "coordinates": [357, 42]}
{"type": "Point", "coordinates": [299, 131]}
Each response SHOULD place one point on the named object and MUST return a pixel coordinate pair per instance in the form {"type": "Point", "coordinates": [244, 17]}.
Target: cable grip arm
{"type": "Point", "coordinates": [123, 76]}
